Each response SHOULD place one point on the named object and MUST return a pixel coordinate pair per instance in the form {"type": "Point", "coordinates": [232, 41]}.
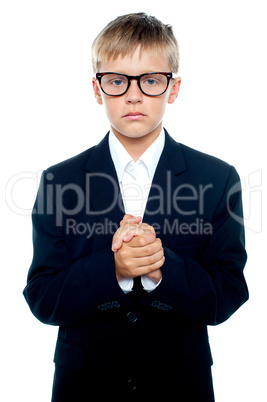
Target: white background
{"type": "Point", "coordinates": [48, 113]}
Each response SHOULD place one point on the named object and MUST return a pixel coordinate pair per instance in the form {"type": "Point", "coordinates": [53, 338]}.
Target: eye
{"type": "Point", "coordinates": [150, 81]}
{"type": "Point", "coordinates": [117, 82]}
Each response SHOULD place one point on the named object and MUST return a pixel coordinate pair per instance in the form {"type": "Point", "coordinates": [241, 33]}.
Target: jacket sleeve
{"type": "Point", "coordinates": [60, 290]}
{"type": "Point", "coordinates": [209, 291]}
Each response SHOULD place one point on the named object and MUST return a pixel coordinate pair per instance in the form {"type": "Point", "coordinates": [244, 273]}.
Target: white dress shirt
{"type": "Point", "coordinates": [135, 179]}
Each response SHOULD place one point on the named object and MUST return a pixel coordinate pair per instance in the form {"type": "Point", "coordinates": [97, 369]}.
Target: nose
{"type": "Point", "coordinates": [134, 94]}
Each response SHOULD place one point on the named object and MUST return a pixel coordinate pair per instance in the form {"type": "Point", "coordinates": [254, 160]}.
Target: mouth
{"type": "Point", "coordinates": [134, 116]}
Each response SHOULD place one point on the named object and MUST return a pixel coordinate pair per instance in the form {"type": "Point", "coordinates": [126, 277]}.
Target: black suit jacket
{"type": "Point", "coordinates": [196, 209]}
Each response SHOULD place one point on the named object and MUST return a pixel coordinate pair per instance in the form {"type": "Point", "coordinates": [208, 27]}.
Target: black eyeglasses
{"type": "Point", "coordinates": [151, 84]}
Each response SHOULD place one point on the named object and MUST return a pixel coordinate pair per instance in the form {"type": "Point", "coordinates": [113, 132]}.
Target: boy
{"type": "Point", "coordinates": [138, 241]}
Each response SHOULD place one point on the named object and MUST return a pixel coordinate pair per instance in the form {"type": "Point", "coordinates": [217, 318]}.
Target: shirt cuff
{"type": "Point", "coordinates": [126, 284]}
{"type": "Point", "coordinates": [149, 284]}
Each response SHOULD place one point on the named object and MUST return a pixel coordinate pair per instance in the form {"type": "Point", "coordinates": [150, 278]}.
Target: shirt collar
{"type": "Point", "coordinates": [119, 154]}
{"type": "Point", "coordinates": [121, 157]}
{"type": "Point", "coordinates": [151, 156]}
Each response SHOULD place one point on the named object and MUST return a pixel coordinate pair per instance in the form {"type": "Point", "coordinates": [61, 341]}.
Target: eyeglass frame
{"type": "Point", "coordinates": [134, 77]}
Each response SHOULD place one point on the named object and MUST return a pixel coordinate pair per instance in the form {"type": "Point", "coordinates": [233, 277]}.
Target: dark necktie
{"type": "Point", "coordinates": [138, 293]}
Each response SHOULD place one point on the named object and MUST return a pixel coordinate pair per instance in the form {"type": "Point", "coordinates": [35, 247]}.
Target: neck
{"type": "Point", "coordinates": [137, 146]}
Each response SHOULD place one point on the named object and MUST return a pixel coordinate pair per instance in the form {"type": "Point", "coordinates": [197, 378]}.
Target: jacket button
{"type": "Point", "coordinates": [132, 317]}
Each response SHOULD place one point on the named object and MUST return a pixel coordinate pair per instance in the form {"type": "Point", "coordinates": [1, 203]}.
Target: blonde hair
{"type": "Point", "coordinates": [122, 36]}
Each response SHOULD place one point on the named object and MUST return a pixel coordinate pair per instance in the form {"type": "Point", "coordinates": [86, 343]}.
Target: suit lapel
{"type": "Point", "coordinates": [103, 188]}
{"type": "Point", "coordinates": [169, 175]}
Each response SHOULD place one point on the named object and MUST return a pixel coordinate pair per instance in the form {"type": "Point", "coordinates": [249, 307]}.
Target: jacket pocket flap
{"type": "Point", "coordinates": [68, 355]}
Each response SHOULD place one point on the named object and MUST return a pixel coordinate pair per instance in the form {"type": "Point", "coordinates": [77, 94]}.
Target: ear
{"type": "Point", "coordinates": [97, 91]}
{"type": "Point", "coordinates": [174, 90]}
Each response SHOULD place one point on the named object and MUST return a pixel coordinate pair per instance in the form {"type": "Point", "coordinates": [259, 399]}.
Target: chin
{"type": "Point", "coordinates": [135, 134]}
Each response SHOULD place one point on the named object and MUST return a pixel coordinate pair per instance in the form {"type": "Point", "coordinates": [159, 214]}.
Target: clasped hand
{"type": "Point", "coordinates": [137, 250]}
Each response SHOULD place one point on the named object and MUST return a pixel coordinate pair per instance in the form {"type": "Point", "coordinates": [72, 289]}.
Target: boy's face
{"type": "Point", "coordinates": [151, 109]}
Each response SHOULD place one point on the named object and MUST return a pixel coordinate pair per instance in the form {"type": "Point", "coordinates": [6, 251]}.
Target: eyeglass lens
{"type": "Point", "coordinates": [151, 84]}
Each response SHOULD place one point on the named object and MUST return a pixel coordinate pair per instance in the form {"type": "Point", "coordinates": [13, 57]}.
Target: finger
{"type": "Point", "coordinates": [147, 250]}
{"type": "Point", "coordinates": [142, 239]}
{"type": "Point", "coordinates": [147, 228]}
{"type": "Point", "coordinates": [125, 218]}
{"type": "Point", "coordinates": [130, 219]}
{"type": "Point", "coordinates": [136, 228]}
{"type": "Point", "coordinates": [125, 233]}
{"type": "Point", "coordinates": [150, 259]}
{"type": "Point", "coordinates": [144, 270]}
{"type": "Point", "coordinates": [134, 219]}
{"type": "Point", "coordinates": [124, 228]}
{"type": "Point", "coordinates": [129, 236]}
